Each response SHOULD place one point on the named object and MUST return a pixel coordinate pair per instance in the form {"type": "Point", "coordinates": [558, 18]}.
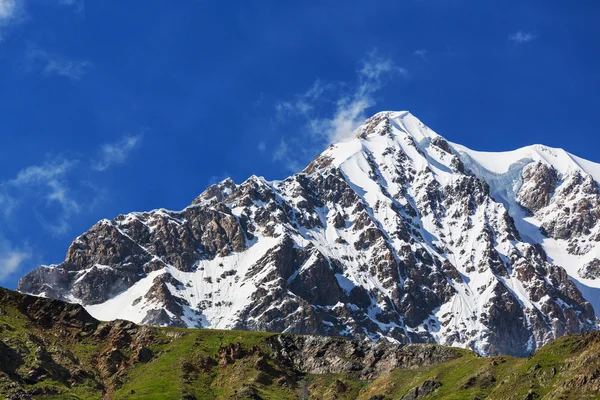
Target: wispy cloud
{"type": "Point", "coordinates": [7, 202]}
{"type": "Point", "coordinates": [523, 37]}
{"type": "Point", "coordinates": [55, 65]}
{"type": "Point", "coordinates": [10, 11]}
{"type": "Point", "coordinates": [71, 69]}
{"type": "Point", "coordinates": [77, 5]}
{"type": "Point", "coordinates": [262, 146]}
{"type": "Point", "coordinates": [350, 110]}
{"type": "Point", "coordinates": [48, 172]}
{"type": "Point", "coordinates": [347, 105]}
{"type": "Point", "coordinates": [283, 154]}
{"type": "Point", "coordinates": [303, 103]}
{"type": "Point", "coordinates": [49, 183]}
{"type": "Point", "coordinates": [374, 68]}
{"type": "Point", "coordinates": [7, 9]}
{"type": "Point", "coordinates": [421, 53]}
{"type": "Point", "coordinates": [55, 191]}
{"type": "Point", "coordinates": [112, 154]}
{"type": "Point", "coordinates": [11, 258]}
{"type": "Point", "coordinates": [214, 179]}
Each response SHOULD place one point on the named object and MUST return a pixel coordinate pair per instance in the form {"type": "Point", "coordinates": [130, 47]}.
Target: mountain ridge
{"type": "Point", "coordinates": [392, 233]}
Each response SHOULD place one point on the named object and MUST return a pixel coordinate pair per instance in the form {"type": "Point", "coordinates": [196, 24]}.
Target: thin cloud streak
{"type": "Point", "coordinates": [262, 146]}
{"type": "Point", "coordinates": [55, 65]}
{"type": "Point", "coordinates": [77, 5]}
{"type": "Point", "coordinates": [283, 153]}
{"type": "Point", "coordinates": [112, 154]}
{"type": "Point", "coordinates": [421, 53]}
{"type": "Point", "coordinates": [11, 259]}
{"type": "Point", "coordinates": [53, 192]}
{"type": "Point", "coordinates": [523, 37]}
{"type": "Point", "coordinates": [303, 103]}
{"type": "Point", "coordinates": [48, 182]}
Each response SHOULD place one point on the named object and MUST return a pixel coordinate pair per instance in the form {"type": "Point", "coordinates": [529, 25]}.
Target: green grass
{"type": "Point", "coordinates": [187, 362]}
{"type": "Point", "coordinates": [163, 377]}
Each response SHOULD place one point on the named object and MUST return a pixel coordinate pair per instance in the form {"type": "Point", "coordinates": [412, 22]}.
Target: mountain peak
{"type": "Point", "coordinates": [398, 125]}
{"type": "Point", "coordinates": [393, 234]}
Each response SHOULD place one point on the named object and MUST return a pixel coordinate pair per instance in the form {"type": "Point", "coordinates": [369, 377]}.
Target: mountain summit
{"type": "Point", "coordinates": [393, 233]}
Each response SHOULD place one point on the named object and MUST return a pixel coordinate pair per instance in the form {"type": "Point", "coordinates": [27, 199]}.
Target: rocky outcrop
{"type": "Point", "coordinates": [568, 206]}
{"type": "Point", "coordinates": [319, 355]}
{"type": "Point", "coordinates": [423, 390]}
{"type": "Point", "coordinates": [591, 270]}
{"type": "Point", "coordinates": [539, 183]}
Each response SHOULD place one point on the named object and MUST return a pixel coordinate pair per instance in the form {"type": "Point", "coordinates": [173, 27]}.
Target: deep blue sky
{"type": "Point", "coordinates": [108, 107]}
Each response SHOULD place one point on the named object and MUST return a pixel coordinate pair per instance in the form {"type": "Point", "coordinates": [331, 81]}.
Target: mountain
{"type": "Point", "coordinates": [392, 233]}
{"type": "Point", "coordinates": [51, 350]}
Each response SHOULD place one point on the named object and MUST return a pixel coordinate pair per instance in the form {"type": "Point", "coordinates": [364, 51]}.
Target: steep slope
{"type": "Point", "coordinates": [52, 350]}
{"type": "Point", "coordinates": [394, 233]}
{"type": "Point", "coordinates": [554, 199]}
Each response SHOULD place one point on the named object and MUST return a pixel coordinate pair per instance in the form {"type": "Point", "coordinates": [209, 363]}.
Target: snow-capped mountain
{"type": "Point", "coordinates": [393, 233]}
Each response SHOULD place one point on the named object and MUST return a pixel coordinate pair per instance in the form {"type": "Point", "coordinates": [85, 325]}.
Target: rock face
{"type": "Point", "coordinates": [590, 270]}
{"type": "Point", "coordinates": [327, 355]}
{"type": "Point", "coordinates": [425, 389]}
{"type": "Point", "coordinates": [569, 208]}
{"type": "Point", "coordinates": [539, 183]}
{"type": "Point", "coordinates": [394, 233]}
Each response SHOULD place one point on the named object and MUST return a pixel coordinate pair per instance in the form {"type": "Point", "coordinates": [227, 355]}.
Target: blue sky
{"type": "Point", "coordinates": [108, 107]}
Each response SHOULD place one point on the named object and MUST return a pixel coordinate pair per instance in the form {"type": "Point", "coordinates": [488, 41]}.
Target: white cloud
{"type": "Point", "coordinates": [51, 176]}
{"type": "Point", "coordinates": [47, 172]}
{"type": "Point", "coordinates": [7, 202]}
{"type": "Point", "coordinates": [281, 151]}
{"type": "Point", "coordinates": [262, 146]}
{"type": "Point", "coordinates": [9, 10]}
{"type": "Point", "coordinates": [11, 258]}
{"type": "Point", "coordinates": [422, 53]}
{"type": "Point", "coordinates": [523, 37]}
{"type": "Point", "coordinates": [116, 153]}
{"type": "Point", "coordinates": [303, 103]}
{"type": "Point", "coordinates": [12, 12]}
{"type": "Point", "coordinates": [374, 68]}
{"type": "Point", "coordinates": [283, 154]}
{"type": "Point", "coordinates": [348, 106]}
{"type": "Point", "coordinates": [53, 64]}
{"type": "Point", "coordinates": [53, 191]}
{"type": "Point", "coordinates": [68, 68]}
{"type": "Point", "coordinates": [351, 108]}
{"type": "Point", "coordinates": [48, 182]}
{"type": "Point", "coordinates": [78, 5]}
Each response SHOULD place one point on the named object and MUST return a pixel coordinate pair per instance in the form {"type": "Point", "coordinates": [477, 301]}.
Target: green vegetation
{"type": "Point", "coordinates": [50, 350]}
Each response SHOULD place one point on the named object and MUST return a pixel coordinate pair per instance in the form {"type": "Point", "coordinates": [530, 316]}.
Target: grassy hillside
{"type": "Point", "coordinates": [52, 350]}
